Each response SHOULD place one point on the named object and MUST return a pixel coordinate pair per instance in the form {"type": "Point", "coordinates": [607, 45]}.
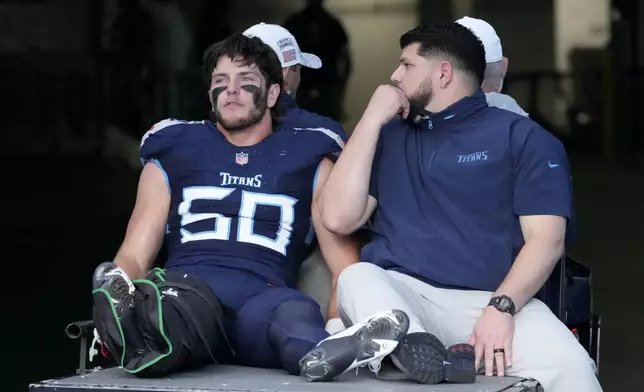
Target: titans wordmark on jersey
{"type": "Point", "coordinates": [244, 208]}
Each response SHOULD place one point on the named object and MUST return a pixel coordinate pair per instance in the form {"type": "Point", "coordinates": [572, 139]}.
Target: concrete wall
{"type": "Point", "coordinates": [579, 24]}
{"type": "Point", "coordinates": [374, 30]}
{"type": "Point", "coordinates": [526, 29]}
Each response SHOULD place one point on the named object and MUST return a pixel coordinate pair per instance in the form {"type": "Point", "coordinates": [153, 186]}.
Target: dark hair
{"type": "Point", "coordinates": [249, 51]}
{"type": "Point", "coordinates": [452, 41]}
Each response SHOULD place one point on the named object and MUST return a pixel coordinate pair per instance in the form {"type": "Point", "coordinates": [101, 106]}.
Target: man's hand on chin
{"type": "Point", "coordinates": [492, 340]}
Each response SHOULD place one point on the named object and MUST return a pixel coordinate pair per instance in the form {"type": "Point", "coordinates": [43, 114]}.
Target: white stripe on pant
{"type": "Point", "coordinates": [543, 348]}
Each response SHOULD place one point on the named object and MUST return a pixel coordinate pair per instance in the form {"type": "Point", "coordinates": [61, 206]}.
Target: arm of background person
{"type": "Point", "coordinates": [146, 228]}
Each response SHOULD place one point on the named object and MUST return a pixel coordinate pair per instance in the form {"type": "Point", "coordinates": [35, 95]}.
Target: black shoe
{"type": "Point", "coordinates": [422, 357]}
{"type": "Point", "coordinates": [363, 343]}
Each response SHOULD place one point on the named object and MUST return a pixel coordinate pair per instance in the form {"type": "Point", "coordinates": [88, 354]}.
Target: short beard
{"type": "Point", "coordinates": [421, 97]}
{"type": "Point", "coordinates": [256, 115]}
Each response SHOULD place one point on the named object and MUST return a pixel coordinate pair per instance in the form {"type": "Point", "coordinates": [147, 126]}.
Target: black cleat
{"type": "Point", "coordinates": [422, 357]}
{"type": "Point", "coordinates": [363, 343]}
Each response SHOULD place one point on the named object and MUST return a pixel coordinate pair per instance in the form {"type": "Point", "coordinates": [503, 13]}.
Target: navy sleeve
{"type": "Point", "coordinates": [542, 182]}
{"type": "Point", "coordinates": [159, 140]}
{"type": "Point", "coordinates": [158, 143]}
{"type": "Point", "coordinates": [338, 140]}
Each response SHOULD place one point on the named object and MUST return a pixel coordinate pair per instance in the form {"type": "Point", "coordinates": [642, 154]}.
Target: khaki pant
{"type": "Point", "coordinates": [543, 348]}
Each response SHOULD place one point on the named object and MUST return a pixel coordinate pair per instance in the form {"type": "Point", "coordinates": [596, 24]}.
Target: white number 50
{"type": "Point", "coordinates": [249, 203]}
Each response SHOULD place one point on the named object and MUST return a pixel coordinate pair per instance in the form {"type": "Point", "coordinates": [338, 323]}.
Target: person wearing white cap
{"type": "Point", "coordinates": [496, 67]}
{"type": "Point", "coordinates": [315, 278]}
{"type": "Point", "coordinates": [287, 50]}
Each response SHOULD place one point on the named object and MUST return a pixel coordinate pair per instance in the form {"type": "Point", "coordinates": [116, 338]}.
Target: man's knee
{"type": "Point", "coordinates": [550, 353]}
{"type": "Point", "coordinates": [199, 316]}
{"type": "Point", "coordinates": [571, 361]}
{"type": "Point", "coordinates": [356, 274]}
{"type": "Point", "coordinates": [297, 314]}
{"type": "Point", "coordinates": [295, 326]}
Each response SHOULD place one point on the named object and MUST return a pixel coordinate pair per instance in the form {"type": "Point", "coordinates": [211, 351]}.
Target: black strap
{"type": "Point", "coordinates": [195, 322]}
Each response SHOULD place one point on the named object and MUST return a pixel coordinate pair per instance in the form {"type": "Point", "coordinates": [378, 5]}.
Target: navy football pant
{"type": "Point", "coordinates": [269, 326]}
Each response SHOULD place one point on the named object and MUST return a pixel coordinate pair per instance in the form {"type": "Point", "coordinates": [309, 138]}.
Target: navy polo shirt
{"type": "Point", "coordinates": [450, 191]}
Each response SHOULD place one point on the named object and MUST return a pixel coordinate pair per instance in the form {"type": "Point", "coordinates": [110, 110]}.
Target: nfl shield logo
{"type": "Point", "coordinates": [241, 158]}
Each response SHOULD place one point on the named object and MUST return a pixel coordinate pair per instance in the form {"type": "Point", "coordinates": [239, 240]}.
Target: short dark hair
{"type": "Point", "coordinates": [450, 40]}
{"type": "Point", "coordinates": [249, 51]}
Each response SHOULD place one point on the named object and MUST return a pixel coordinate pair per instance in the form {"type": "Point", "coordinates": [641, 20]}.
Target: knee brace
{"type": "Point", "coordinates": [176, 322]}
{"type": "Point", "coordinates": [201, 315]}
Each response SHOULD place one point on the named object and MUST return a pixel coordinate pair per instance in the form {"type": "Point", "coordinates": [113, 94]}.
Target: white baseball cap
{"type": "Point", "coordinates": [284, 44]}
{"type": "Point", "coordinates": [486, 33]}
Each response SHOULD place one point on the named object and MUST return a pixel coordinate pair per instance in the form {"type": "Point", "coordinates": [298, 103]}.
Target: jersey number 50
{"type": "Point", "coordinates": [249, 203]}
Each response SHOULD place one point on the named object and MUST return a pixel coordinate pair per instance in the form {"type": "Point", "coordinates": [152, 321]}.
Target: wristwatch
{"type": "Point", "coordinates": [503, 304]}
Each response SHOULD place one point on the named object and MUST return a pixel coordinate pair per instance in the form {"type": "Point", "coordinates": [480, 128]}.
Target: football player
{"type": "Point", "coordinates": [234, 201]}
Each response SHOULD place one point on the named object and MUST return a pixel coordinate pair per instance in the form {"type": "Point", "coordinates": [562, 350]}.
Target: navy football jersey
{"type": "Point", "coordinates": [243, 208]}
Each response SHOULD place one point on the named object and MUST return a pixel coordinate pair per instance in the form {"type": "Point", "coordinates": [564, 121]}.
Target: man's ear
{"type": "Point", "coordinates": [446, 73]}
{"type": "Point", "coordinates": [273, 94]}
{"type": "Point", "coordinates": [504, 65]}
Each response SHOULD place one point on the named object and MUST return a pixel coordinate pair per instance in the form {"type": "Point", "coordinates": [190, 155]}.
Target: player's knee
{"type": "Point", "coordinates": [294, 328]}
{"type": "Point", "coordinates": [355, 276]}
{"type": "Point", "coordinates": [189, 323]}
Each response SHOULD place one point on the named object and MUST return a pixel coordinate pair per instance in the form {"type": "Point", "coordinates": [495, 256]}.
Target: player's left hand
{"type": "Point", "coordinates": [492, 340]}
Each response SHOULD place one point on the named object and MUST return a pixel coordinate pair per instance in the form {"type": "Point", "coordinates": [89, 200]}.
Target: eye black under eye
{"type": "Point", "coordinates": [251, 88]}
{"type": "Point", "coordinates": [214, 94]}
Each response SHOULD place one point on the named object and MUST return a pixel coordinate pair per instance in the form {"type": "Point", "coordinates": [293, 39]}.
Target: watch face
{"type": "Point", "coordinates": [504, 303]}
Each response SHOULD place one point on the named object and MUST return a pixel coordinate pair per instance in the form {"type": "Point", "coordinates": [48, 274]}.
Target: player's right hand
{"type": "Point", "coordinates": [386, 102]}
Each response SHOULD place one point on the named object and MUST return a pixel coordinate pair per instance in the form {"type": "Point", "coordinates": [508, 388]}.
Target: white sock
{"type": "Point", "coordinates": [335, 325]}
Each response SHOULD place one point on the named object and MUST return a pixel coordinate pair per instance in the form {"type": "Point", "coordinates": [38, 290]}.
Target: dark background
{"type": "Point", "coordinates": [67, 196]}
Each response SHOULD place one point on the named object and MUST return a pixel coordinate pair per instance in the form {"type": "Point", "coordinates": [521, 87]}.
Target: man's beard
{"type": "Point", "coordinates": [260, 99]}
{"type": "Point", "coordinates": [421, 97]}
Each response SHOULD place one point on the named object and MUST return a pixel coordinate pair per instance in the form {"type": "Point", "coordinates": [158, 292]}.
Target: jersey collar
{"type": "Point", "coordinates": [287, 101]}
{"type": "Point", "coordinates": [459, 110]}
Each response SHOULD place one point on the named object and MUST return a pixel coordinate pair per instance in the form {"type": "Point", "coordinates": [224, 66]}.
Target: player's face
{"type": "Point", "coordinates": [413, 77]}
{"type": "Point", "coordinates": [238, 94]}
